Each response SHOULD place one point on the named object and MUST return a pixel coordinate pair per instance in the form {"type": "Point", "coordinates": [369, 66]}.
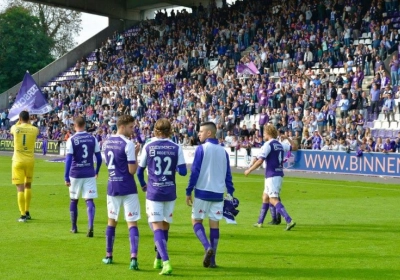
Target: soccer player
{"type": "Point", "coordinates": [273, 152]}
{"type": "Point", "coordinates": [23, 162]}
{"type": "Point", "coordinates": [80, 175]}
{"type": "Point", "coordinates": [163, 157]}
{"type": "Point", "coordinates": [211, 174]}
{"type": "Point", "coordinates": [121, 162]}
{"type": "Point", "coordinates": [276, 217]}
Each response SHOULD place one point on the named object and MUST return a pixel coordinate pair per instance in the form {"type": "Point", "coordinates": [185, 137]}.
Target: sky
{"type": "Point", "coordinates": [91, 25]}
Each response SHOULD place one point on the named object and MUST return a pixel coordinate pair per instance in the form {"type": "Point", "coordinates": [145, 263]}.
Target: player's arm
{"type": "Point", "coordinates": [68, 162]}
{"type": "Point", "coordinates": [265, 149]}
{"type": "Point", "coordinates": [181, 168]}
{"type": "Point", "coordinates": [293, 145]}
{"type": "Point", "coordinates": [228, 177]}
{"type": "Point", "coordinates": [99, 159]}
{"type": "Point", "coordinates": [141, 168]}
{"type": "Point", "coordinates": [195, 173]}
{"type": "Point", "coordinates": [132, 162]}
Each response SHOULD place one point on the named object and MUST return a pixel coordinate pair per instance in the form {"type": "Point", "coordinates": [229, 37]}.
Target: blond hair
{"type": "Point", "coordinates": [271, 131]}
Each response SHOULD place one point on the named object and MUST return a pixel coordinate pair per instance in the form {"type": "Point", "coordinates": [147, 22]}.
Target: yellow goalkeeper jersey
{"type": "Point", "coordinates": [24, 141]}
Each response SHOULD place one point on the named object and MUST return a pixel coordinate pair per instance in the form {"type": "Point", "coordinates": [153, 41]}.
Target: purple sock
{"type": "Point", "coordinates": [272, 210]}
{"type": "Point", "coordinates": [73, 210]}
{"type": "Point", "coordinates": [263, 212]}
{"type": "Point", "coordinates": [110, 236]}
{"type": "Point", "coordinates": [134, 241]}
{"type": "Point", "coordinates": [281, 210]}
{"type": "Point", "coordinates": [214, 237]}
{"type": "Point", "coordinates": [166, 234]}
{"type": "Point", "coordinates": [91, 210]}
{"type": "Point", "coordinates": [161, 243]}
{"type": "Point", "coordinates": [201, 235]}
{"type": "Point", "coordinates": [166, 240]}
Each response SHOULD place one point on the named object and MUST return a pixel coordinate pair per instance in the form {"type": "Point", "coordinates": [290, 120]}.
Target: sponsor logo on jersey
{"type": "Point", "coordinates": [163, 179]}
{"type": "Point", "coordinates": [170, 215]}
{"type": "Point", "coordinates": [218, 213]}
{"type": "Point", "coordinates": [112, 173]}
{"type": "Point", "coordinates": [155, 213]}
{"type": "Point", "coordinates": [112, 212]}
{"type": "Point", "coordinates": [200, 211]}
{"type": "Point", "coordinates": [92, 191]}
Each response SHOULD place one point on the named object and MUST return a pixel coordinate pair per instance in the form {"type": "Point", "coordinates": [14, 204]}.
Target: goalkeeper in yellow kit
{"type": "Point", "coordinates": [23, 162]}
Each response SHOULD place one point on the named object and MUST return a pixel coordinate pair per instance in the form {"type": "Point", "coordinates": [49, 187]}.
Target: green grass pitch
{"type": "Point", "coordinates": [345, 230]}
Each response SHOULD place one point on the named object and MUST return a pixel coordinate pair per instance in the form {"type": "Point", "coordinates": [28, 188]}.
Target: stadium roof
{"type": "Point", "coordinates": [120, 9]}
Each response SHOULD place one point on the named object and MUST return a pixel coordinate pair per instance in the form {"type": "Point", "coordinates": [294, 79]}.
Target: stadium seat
{"type": "Point", "coordinates": [397, 117]}
{"type": "Point", "coordinates": [368, 41]}
{"type": "Point", "coordinates": [377, 124]}
{"type": "Point", "coordinates": [247, 117]}
{"type": "Point", "coordinates": [355, 43]}
{"type": "Point", "coordinates": [381, 117]}
{"type": "Point", "coordinates": [388, 133]}
{"type": "Point", "coordinates": [385, 125]}
{"type": "Point", "coordinates": [381, 132]}
{"type": "Point", "coordinates": [364, 35]}
{"type": "Point", "coordinates": [393, 125]}
{"type": "Point", "coordinates": [361, 41]}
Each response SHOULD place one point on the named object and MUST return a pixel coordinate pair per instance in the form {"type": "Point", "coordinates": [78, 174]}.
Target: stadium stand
{"type": "Point", "coordinates": [310, 66]}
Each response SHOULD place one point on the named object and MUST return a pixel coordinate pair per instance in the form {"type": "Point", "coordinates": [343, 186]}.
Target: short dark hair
{"type": "Point", "coordinates": [210, 126]}
{"type": "Point", "coordinates": [124, 120]}
{"type": "Point", "coordinates": [24, 116]}
{"type": "Point", "coordinates": [80, 122]}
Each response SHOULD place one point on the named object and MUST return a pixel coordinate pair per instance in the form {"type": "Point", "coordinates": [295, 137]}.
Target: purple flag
{"type": "Point", "coordinates": [248, 69]}
{"type": "Point", "coordinates": [29, 98]}
{"type": "Point", "coordinates": [253, 67]}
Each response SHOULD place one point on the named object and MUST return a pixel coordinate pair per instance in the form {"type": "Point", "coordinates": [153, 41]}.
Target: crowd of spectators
{"type": "Point", "coordinates": [161, 68]}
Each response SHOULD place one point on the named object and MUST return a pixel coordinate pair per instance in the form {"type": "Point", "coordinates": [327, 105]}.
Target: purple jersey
{"type": "Point", "coordinates": [82, 146]}
{"type": "Point", "coordinates": [162, 156]}
{"type": "Point", "coordinates": [273, 152]}
{"type": "Point", "coordinates": [119, 152]}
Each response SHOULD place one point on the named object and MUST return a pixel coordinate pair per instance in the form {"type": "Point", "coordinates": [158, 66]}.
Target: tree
{"type": "Point", "coordinates": [23, 46]}
{"type": "Point", "coordinates": [62, 25]}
